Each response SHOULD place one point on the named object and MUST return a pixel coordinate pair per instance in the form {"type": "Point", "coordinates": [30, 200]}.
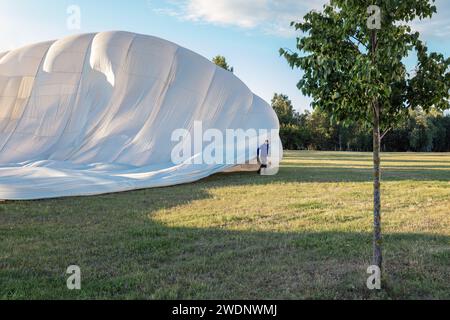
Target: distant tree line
{"type": "Point", "coordinates": [419, 132]}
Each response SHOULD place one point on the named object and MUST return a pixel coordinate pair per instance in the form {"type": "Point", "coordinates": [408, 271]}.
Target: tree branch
{"type": "Point", "coordinates": [385, 133]}
{"type": "Point", "coordinates": [360, 42]}
{"type": "Point", "coordinates": [288, 50]}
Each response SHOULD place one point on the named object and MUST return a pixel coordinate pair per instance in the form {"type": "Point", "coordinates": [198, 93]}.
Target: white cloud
{"type": "Point", "coordinates": [271, 16]}
{"type": "Point", "coordinates": [436, 27]}
{"type": "Point", "coordinates": [274, 16]}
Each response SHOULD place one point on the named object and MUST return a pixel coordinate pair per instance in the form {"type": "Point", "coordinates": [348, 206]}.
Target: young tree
{"type": "Point", "coordinates": [221, 61]}
{"type": "Point", "coordinates": [352, 55]}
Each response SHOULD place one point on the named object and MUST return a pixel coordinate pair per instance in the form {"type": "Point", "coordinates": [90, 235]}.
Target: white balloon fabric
{"type": "Point", "coordinates": [95, 113]}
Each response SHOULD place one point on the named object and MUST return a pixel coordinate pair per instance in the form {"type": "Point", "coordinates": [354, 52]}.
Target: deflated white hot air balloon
{"type": "Point", "coordinates": [108, 112]}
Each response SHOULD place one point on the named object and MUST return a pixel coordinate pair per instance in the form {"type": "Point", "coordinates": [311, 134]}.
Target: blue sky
{"type": "Point", "coordinates": [249, 33]}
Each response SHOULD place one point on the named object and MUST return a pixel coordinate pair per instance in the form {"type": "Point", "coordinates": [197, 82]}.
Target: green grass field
{"type": "Point", "coordinates": [303, 234]}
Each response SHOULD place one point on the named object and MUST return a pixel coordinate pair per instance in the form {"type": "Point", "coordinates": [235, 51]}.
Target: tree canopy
{"type": "Point", "coordinates": [221, 61]}
{"type": "Point", "coordinates": [284, 108]}
{"type": "Point", "coordinates": [343, 77]}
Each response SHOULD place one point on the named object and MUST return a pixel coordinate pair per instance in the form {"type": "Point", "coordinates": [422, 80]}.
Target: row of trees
{"type": "Point", "coordinates": [418, 132]}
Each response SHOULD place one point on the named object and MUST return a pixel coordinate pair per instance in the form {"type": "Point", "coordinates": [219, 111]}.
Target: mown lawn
{"type": "Point", "coordinates": [303, 234]}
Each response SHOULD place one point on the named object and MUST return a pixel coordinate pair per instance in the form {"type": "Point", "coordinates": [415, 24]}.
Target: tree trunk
{"type": "Point", "coordinates": [377, 238]}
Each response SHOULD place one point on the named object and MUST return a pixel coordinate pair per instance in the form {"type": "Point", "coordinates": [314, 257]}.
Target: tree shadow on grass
{"type": "Point", "coordinates": [125, 253]}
